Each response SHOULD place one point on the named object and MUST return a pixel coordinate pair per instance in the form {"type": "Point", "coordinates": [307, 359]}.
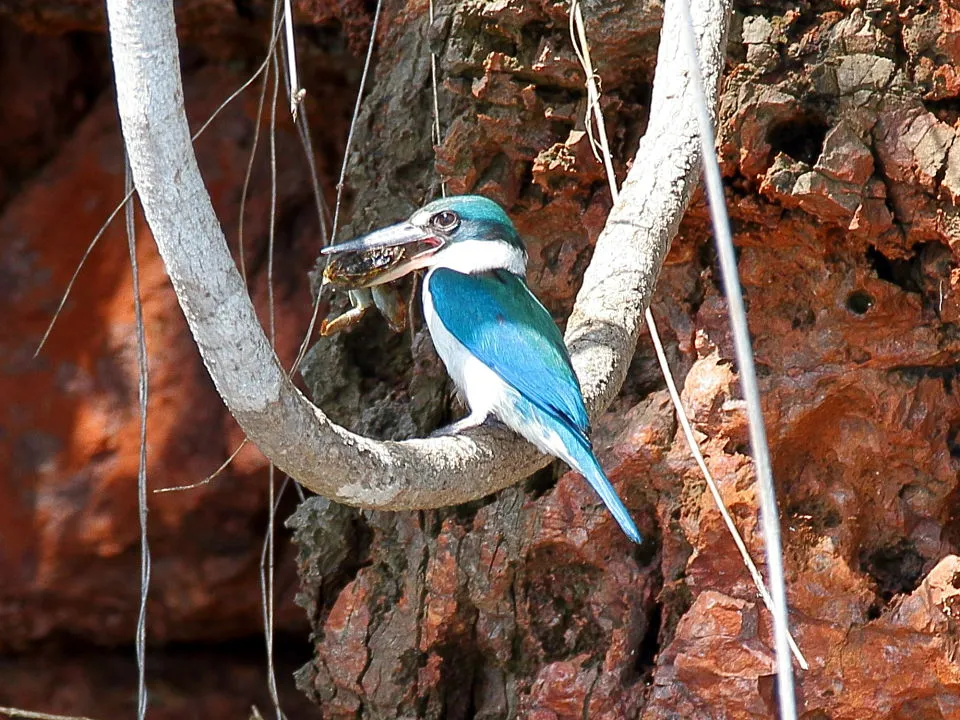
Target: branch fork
{"type": "Point", "coordinates": [293, 433]}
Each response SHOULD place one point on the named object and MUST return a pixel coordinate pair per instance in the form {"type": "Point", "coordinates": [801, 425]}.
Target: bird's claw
{"type": "Point", "coordinates": [470, 421]}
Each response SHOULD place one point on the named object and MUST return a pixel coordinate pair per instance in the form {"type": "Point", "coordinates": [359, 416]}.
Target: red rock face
{"type": "Point", "coordinates": [848, 266]}
{"type": "Point", "coordinates": [70, 425]}
{"type": "Point", "coordinates": [840, 190]}
{"type": "Point", "coordinates": [838, 140]}
{"type": "Point", "coordinates": [69, 557]}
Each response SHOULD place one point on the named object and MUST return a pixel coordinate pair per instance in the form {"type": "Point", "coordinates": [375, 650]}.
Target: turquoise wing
{"type": "Point", "coordinates": [503, 325]}
{"type": "Point", "coordinates": [496, 317]}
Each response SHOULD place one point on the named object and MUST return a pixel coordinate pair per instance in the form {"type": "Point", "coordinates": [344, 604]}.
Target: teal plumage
{"type": "Point", "coordinates": [499, 344]}
{"type": "Point", "coordinates": [499, 322]}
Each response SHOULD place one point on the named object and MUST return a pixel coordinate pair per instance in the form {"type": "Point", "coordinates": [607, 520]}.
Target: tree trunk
{"type": "Point", "coordinates": [837, 146]}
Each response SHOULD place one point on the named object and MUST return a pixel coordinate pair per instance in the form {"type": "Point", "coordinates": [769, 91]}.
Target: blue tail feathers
{"type": "Point", "coordinates": [559, 434]}
{"type": "Point", "coordinates": [589, 467]}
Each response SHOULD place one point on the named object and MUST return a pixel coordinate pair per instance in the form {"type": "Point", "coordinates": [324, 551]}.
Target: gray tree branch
{"type": "Point", "coordinates": [292, 432]}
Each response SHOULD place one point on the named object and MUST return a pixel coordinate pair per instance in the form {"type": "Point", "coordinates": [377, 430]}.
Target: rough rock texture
{"type": "Point", "coordinates": [837, 135]}
{"type": "Point", "coordinates": [839, 147]}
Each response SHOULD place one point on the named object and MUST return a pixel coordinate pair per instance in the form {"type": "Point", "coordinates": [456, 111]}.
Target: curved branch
{"type": "Point", "coordinates": [292, 432]}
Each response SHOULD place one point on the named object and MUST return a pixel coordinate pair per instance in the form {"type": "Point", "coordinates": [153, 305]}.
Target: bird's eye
{"type": "Point", "coordinates": [445, 220]}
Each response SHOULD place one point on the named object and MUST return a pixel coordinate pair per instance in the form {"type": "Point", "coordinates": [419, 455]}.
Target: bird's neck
{"type": "Point", "coordinates": [477, 256]}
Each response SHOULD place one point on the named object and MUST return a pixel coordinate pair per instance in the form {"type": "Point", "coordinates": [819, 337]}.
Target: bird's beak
{"type": "Point", "coordinates": [404, 233]}
{"type": "Point", "coordinates": [381, 256]}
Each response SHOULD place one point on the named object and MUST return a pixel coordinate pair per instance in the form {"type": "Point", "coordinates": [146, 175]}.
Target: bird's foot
{"type": "Point", "coordinates": [470, 421]}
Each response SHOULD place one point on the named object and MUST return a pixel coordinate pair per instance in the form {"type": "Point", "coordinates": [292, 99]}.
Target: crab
{"type": "Point", "coordinates": [356, 273]}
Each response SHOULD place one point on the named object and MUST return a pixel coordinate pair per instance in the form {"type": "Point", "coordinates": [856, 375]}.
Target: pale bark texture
{"type": "Point", "coordinates": [295, 434]}
{"type": "Point", "coordinates": [837, 137]}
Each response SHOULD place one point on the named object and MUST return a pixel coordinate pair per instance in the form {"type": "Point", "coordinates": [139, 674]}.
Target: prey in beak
{"type": "Point", "coordinates": [380, 257]}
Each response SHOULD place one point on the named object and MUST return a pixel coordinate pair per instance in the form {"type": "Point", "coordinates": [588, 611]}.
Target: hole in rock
{"type": "Point", "coordinates": [800, 138]}
{"type": "Point", "coordinates": [244, 9]}
{"type": "Point", "coordinates": [803, 319]}
{"type": "Point", "coordinates": [650, 645]}
{"type": "Point", "coordinates": [895, 568]}
{"type": "Point", "coordinates": [542, 481]}
{"type": "Point", "coordinates": [953, 439]}
{"type": "Point", "coordinates": [905, 274]}
{"type": "Point", "coordinates": [946, 110]}
{"type": "Point", "coordinates": [859, 302]}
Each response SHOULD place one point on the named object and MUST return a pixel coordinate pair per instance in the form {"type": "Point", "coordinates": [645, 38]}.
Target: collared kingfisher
{"type": "Point", "coordinates": [498, 343]}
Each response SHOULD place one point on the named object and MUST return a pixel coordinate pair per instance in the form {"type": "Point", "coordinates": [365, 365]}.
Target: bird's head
{"type": "Point", "coordinates": [467, 233]}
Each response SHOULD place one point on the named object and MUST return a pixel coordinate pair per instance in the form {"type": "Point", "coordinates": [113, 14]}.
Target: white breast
{"type": "Point", "coordinates": [485, 392]}
{"type": "Point", "coordinates": [480, 386]}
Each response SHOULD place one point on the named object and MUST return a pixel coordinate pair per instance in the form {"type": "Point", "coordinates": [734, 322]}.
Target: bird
{"type": "Point", "coordinates": [499, 344]}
